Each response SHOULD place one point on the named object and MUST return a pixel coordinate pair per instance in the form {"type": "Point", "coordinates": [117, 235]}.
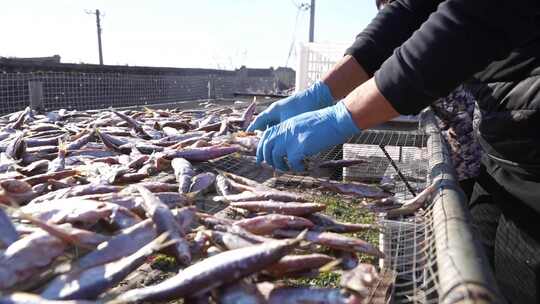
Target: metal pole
{"type": "Point", "coordinates": [99, 37]}
{"type": "Point", "coordinates": [403, 178]}
{"type": "Point", "coordinates": [35, 89]}
{"type": "Point", "coordinates": [312, 21]}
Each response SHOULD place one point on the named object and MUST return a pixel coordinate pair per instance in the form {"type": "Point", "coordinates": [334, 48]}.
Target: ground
{"type": "Point", "coordinates": [345, 211]}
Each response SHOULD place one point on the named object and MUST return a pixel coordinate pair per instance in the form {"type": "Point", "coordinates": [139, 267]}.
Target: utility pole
{"type": "Point", "coordinates": [98, 24]}
{"type": "Point", "coordinates": [312, 21]}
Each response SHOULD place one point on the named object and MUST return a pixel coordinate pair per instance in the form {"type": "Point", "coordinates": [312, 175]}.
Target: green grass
{"type": "Point", "coordinates": [352, 212]}
{"type": "Point", "coordinates": [325, 279]}
{"type": "Point", "coordinates": [343, 211]}
{"type": "Point", "coordinates": [163, 262]}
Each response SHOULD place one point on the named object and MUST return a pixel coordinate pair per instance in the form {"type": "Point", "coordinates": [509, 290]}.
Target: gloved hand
{"type": "Point", "coordinates": [305, 135]}
{"type": "Point", "coordinates": [316, 97]}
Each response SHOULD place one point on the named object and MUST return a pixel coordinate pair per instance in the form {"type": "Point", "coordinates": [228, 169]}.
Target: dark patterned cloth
{"type": "Point", "coordinates": [457, 119]}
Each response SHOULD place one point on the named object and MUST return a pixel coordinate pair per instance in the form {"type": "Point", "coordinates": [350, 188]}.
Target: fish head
{"type": "Point", "coordinates": [15, 186]}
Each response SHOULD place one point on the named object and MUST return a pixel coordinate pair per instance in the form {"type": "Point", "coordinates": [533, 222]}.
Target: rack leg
{"type": "Point", "coordinates": [411, 190]}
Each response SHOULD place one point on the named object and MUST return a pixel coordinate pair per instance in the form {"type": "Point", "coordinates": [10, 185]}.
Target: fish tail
{"type": "Point", "coordinates": [301, 236]}
{"type": "Point", "coordinates": [54, 230]}
{"type": "Point", "coordinates": [62, 147]}
{"type": "Point", "coordinates": [148, 110]}
{"type": "Point", "coordinates": [191, 196]}
{"type": "Point", "coordinates": [161, 242]}
{"type": "Point", "coordinates": [330, 266]}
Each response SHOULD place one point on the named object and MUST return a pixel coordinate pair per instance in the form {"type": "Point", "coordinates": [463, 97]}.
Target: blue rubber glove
{"type": "Point", "coordinates": [305, 135]}
{"type": "Point", "coordinates": [316, 97]}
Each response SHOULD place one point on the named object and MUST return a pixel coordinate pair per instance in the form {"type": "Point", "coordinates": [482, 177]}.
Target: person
{"type": "Point", "coordinates": [457, 115]}
{"type": "Point", "coordinates": [412, 53]}
{"type": "Point", "coordinates": [456, 118]}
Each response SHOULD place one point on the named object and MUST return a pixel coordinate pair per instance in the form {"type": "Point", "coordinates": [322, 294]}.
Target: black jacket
{"type": "Point", "coordinates": [419, 50]}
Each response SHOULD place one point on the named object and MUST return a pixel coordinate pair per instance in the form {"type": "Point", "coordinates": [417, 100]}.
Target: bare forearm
{"type": "Point", "coordinates": [368, 106]}
{"type": "Point", "coordinates": [346, 75]}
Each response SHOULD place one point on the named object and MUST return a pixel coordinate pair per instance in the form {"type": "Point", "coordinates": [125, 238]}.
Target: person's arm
{"type": "Point", "coordinates": [389, 29]}
{"type": "Point", "coordinates": [459, 39]}
{"type": "Point", "coordinates": [343, 77]}
{"type": "Point", "coordinates": [368, 107]}
{"type": "Point", "coordinates": [392, 26]}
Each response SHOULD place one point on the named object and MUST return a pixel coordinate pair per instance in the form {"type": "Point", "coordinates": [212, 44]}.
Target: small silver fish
{"type": "Point", "coordinates": [213, 272]}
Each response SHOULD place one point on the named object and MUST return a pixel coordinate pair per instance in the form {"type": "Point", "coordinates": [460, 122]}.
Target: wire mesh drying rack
{"type": "Point", "coordinates": [433, 253]}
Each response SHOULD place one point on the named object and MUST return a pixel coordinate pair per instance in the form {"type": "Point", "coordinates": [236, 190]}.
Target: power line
{"type": "Point", "coordinates": [299, 8]}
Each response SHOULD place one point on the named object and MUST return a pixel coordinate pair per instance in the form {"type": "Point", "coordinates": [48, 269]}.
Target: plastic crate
{"type": "Point", "coordinates": [315, 59]}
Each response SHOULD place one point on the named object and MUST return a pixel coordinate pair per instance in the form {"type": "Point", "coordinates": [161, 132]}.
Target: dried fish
{"type": "Point", "coordinates": [59, 163]}
{"type": "Point", "coordinates": [41, 178]}
{"type": "Point", "coordinates": [266, 224]}
{"type": "Point", "coordinates": [246, 181]}
{"type": "Point", "coordinates": [13, 191]}
{"type": "Point", "coordinates": [327, 223]}
{"type": "Point", "coordinates": [274, 195]}
{"type": "Point", "coordinates": [165, 222]}
{"type": "Point", "coordinates": [90, 283]}
{"type": "Point", "coordinates": [19, 121]}
{"type": "Point", "coordinates": [34, 168]}
{"type": "Point", "coordinates": [247, 116]}
{"type": "Point", "coordinates": [290, 295]}
{"type": "Point", "coordinates": [183, 171]}
{"type": "Point", "coordinates": [237, 230]}
{"type": "Point", "coordinates": [201, 182]}
{"type": "Point", "coordinates": [213, 272]}
{"type": "Point", "coordinates": [89, 192]}
{"type": "Point", "coordinates": [39, 142]}
{"type": "Point", "coordinates": [202, 154]}
{"type": "Point", "coordinates": [334, 240]}
{"type": "Point", "coordinates": [123, 244]}
{"type": "Point", "coordinates": [17, 147]}
{"type": "Point", "coordinates": [80, 142]}
{"type": "Point", "coordinates": [7, 164]}
{"type": "Point", "coordinates": [291, 264]}
{"type": "Point", "coordinates": [223, 187]}
{"type": "Point", "coordinates": [412, 205]}
{"type": "Point", "coordinates": [27, 298]}
{"type": "Point", "coordinates": [81, 238]}
{"type": "Point", "coordinates": [8, 233]}
{"type": "Point", "coordinates": [360, 279]}
{"type": "Point", "coordinates": [290, 208]}
{"type": "Point", "coordinates": [341, 163]}
{"type": "Point", "coordinates": [75, 191]}
{"type": "Point", "coordinates": [357, 189]}
{"type": "Point", "coordinates": [229, 240]}
{"type": "Point", "coordinates": [70, 210]}
{"type": "Point", "coordinates": [241, 292]}
{"type": "Point", "coordinates": [133, 124]}
{"type": "Point", "coordinates": [25, 257]}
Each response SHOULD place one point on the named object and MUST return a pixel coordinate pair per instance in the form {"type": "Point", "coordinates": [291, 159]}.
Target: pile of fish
{"type": "Point", "coordinates": [86, 198]}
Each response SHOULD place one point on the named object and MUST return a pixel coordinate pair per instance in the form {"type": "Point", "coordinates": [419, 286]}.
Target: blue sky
{"type": "Point", "coordinates": [177, 33]}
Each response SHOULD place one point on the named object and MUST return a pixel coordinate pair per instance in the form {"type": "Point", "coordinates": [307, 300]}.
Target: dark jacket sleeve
{"type": "Point", "coordinates": [392, 26]}
{"type": "Point", "coordinates": [459, 39]}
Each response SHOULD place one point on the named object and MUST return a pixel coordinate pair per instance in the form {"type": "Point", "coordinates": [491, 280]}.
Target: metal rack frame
{"type": "Point", "coordinates": [463, 272]}
{"type": "Point", "coordinates": [434, 253]}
